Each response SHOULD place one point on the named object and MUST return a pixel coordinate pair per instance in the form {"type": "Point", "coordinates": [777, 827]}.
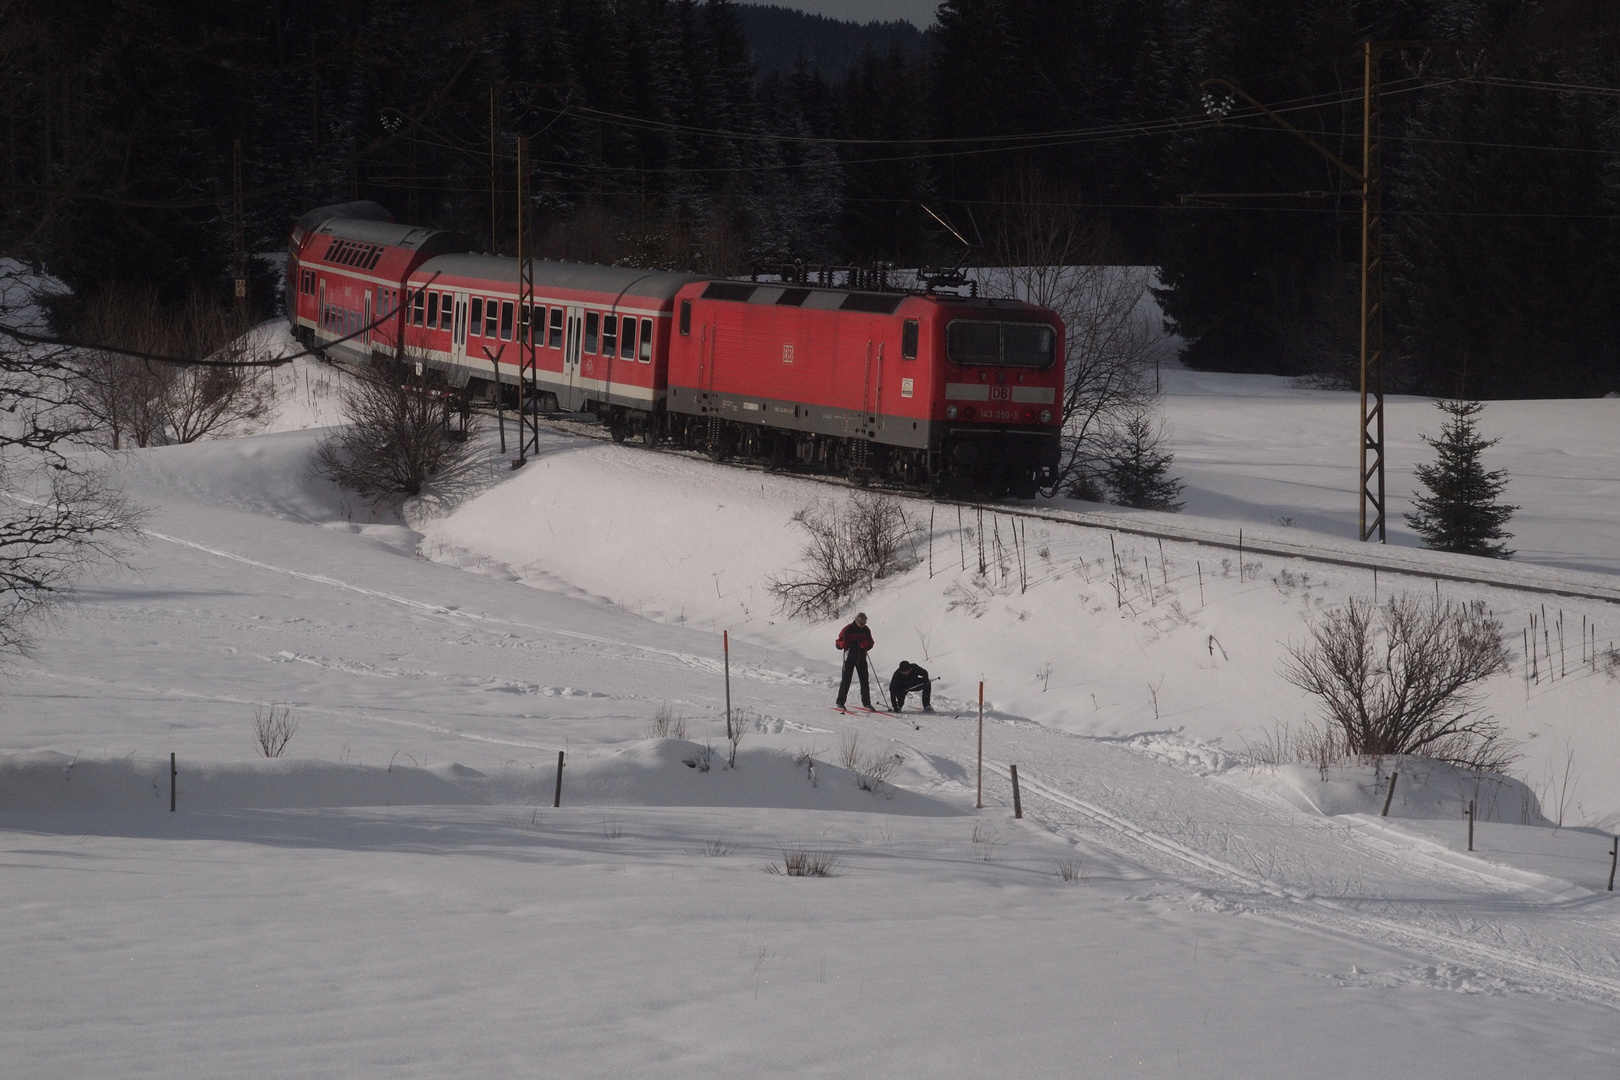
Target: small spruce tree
{"type": "Point", "coordinates": [1137, 472]}
{"type": "Point", "coordinates": [1461, 512]}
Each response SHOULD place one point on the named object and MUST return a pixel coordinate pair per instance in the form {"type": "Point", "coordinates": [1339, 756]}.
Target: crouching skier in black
{"type": "Point", "coordinates": [909, 677]}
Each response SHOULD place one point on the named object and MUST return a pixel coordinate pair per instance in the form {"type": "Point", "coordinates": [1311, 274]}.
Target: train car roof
{"type": "Point", "coordinates": [385, 233]}
{"type": "Point", "coordinates": [579, 277]}
{"type": "Point", "coordinates": [364, 209]}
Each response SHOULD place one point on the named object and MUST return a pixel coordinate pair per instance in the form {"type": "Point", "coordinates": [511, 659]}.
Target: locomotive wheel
{"type": "Point", "coordinates": [618, 429]}
{"type": "Point", "coordinates": [649, 433]}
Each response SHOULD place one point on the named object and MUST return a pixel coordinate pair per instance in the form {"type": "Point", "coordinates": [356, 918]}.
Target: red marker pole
{"type": "Point", "coordinates": [725, 645]}
{"type": "Point", "coordinates": [979, 802]}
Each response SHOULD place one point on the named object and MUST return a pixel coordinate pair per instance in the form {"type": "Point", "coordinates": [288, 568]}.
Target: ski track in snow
{"type": "Point", "coordinates": [1232, 852]}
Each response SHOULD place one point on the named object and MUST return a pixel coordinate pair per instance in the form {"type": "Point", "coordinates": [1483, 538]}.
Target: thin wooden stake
{"type": "Point", "coordinates": [1200, 566]}
{"type": "Point", "coordinates": [1240, 556]}
{"type": "Point", "coordinates": [725, 645]}
{"type": "Point", "coordinates": [1164, 567]}
{"type": "Point", "coordinates": [173, 775]}
{"type": "Point", "coordinates": [556, 798]}
{"type": "Point", "coordinates": [930, 543]}
{"type": "Point", "coordinates": [1470, 824]}
{"type": "Point", "coordinates": [1147, 576]}
{"type": "Point", "coordinates": [1614, 859]}
{"type": "Point", "coordinates": [979, 800]}
{"type": "Point", "coordinates": [1389, 795]}
{"type": "Point", "coordinates": [961, 537]}
{"type": "Point", "coordinates": [1018, 803]}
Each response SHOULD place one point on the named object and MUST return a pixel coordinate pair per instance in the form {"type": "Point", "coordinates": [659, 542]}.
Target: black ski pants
{"type": "Point", "coordinates": [855, 661]}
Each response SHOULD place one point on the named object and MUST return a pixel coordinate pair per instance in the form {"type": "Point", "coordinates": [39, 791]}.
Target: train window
{"type": "Point", "coordinates": [447, 304]}
{"type": "Point", "coordinates": [610, 335]}
{"type": "Point", "coordinates": [1000, 344]}
{"type": "Point", "coordinates": [646, 341]}
{"type": "Point", "coordinates": [973, 342]}
{"type": "Point", "coordinates": [433, 311]}
{"type": "Point", "coordinates": [686, 317]}
{"type": "Point", "coordinates": [1026, 345]}
{"type": "Point", "coordinates": [475, 322]}
{"type": "Point", "coordinates": [491, 319]}
{"type": "Point", "coordinates": [627, 339]}
{"type": "Point", "coordinates": [537, 325]}
{"type": "Point", "coordinates": [590, 332]}
{"type": "Point", "coordinates": [556, 328]}
{"type": "Point", "coordinates": [908, 340]}
{"type": "Point", "coordinates": [506, 320]}
{"type": "Point", "coordinates": [417, 301]}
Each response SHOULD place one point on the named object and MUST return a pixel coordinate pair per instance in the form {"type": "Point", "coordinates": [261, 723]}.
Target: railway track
{"type": "Point", "coordinates": [1326, 551]}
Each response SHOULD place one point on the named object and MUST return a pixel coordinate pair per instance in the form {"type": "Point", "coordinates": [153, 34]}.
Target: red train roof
{"type": "Point", "coordinates": [615, 281]}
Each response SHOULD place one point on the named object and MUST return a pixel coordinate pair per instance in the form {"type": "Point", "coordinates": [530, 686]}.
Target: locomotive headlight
{"type": "Point", "coordinates": [950, 412]}
{"type": "Point", "coordinates": [1046, 416]}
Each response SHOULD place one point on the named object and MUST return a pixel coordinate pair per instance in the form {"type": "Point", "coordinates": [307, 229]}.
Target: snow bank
{"type": "Point", "coordinates": [655, 772]}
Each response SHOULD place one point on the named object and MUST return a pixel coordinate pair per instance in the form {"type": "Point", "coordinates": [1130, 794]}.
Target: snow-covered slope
{"type": "Point", "coordinates": [397, 896]}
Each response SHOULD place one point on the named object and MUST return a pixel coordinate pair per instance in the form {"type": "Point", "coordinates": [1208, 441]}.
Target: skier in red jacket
{"type": "Point", "coordinates": [856, 641]}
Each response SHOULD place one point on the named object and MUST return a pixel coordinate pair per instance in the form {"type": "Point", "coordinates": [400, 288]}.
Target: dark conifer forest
{"type": "Point", "coordinates": [655, 139]}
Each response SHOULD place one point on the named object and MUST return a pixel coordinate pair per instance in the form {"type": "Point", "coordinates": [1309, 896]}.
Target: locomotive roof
{"type": "Point", "coordinates": [583, 277]}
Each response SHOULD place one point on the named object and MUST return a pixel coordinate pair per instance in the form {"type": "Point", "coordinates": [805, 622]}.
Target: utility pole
{"type": "Point", "coordinates": [1372, 293]}
{"type": "Point", "coordinates": [528, 378]}
{"type": "Point", "coordinates": [238, 234]}
{"type": "Point", "coordinates": [1370, 178]}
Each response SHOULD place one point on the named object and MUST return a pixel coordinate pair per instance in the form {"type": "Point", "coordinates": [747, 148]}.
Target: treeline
{"type": "Point", "coordinates": [653, 140]}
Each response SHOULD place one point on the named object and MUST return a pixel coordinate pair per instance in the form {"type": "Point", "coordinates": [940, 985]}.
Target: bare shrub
{"type": "Point", "coordinates": [872, 768]}
{"type": "Point", "coordinates": [1308, 745]}
{"type": "Point", "coordinates": [797, 863]}
{"type": "Point", "coordinates": [135, 402]}
{"type": "Point", "coordinates": [984, 841]}
{"type": "Point", "coordinates": [702, 760]}
{"type": "Point", "coordinates": [666, 725]}
{"type": "Point", "coordinates": [273, 729]}
{"type": "Point", "coordinates": [395, 437]}
{"type": "Point", "coordinates": [1404, 677]}
{"type": "Point", "coordinates": [849, 547]}
{"type": "Point", "coordinates": [717, 848]}
{"type": "Point", "coordinates": [1071, 870]}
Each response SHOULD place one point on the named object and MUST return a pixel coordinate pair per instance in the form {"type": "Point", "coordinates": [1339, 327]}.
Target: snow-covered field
{"type": "Point", "coordinates": [398, 897]}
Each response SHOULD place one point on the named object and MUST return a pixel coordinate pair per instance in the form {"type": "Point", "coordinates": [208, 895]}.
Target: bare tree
{"type": "Point", "coordinates": [395, 437]}
{"type": "Point", "coordinates": [59, 514]}
{"type": "Point", "coordinates": [1044, 251]}
{"type": "Point", "coordinates": [1404, 677]}
{"type": "Point", "coordinates": [847, 548]}
{"type": "Point", "coordinates": [139, 402]}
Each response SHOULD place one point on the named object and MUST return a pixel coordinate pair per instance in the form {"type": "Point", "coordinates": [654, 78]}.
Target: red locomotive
{"type": "Point", "coordinates": [921, 388]}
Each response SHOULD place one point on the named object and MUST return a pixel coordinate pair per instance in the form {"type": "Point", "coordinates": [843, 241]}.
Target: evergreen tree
{"type": "Point", "coordinates": [1138, 472]}
{"type": "Point", "coordinates": [1461, 512]}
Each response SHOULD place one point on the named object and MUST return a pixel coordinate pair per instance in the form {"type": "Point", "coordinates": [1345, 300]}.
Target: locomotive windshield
{"type": "Point", "coordinates": [999, 344]}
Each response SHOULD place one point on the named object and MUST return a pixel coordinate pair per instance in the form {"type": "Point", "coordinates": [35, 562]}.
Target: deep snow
{"type": "Point", "coordinates": [398, 897]}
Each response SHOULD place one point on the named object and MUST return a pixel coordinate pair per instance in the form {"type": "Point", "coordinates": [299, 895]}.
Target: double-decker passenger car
{"type": "Point", "coordinates": [921, 388]}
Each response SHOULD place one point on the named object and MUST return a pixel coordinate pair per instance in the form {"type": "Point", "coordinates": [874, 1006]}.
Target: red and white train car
{"type": "Point", "coordinates": [921, 388]}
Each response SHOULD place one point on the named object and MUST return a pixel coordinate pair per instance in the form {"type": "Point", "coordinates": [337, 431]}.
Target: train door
{"type": "Point", "coordinates": [458, 330]}
{"type": "Point", "coordinates": [572, 397]}
{"type": "Point", "coordinates": [365, 333]}
{"type": "Point", "coordinates": [320, 310]}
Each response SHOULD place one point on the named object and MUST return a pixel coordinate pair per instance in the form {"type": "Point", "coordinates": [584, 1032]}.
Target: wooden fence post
{"type": "Point", "coordinates": [1470, 824]}
{"type": "Point", "coordinates": [1390, 794]}
{"type": "Point", "coordinates": [1614, 857]}
{"type": "Point", "coordinates": [173, 774]}
{"type": "Point", "coordinates": [725, 645]}
{"type": "Point", "coordinates": [979, 801]}
{"type": "Point", "coordinates": [1018, 803]}
{"type": "Point", "coordinates": [556, 799]}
